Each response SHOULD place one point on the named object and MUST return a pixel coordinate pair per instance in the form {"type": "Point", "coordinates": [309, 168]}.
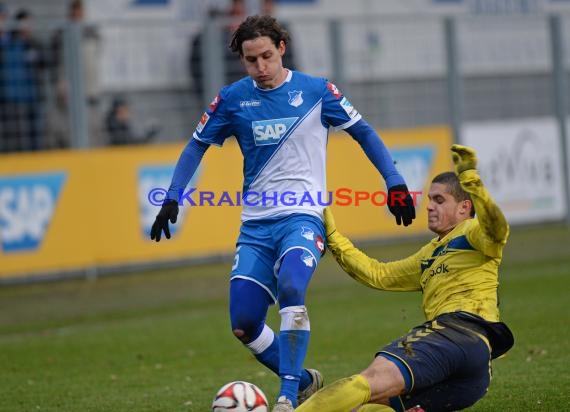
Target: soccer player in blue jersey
{"type": "Point", "coordinates": [445, 363]}
{"type": "Point", "coordinates": [280, 119]}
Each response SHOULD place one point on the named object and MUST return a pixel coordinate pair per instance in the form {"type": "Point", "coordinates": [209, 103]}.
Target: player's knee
{"type": "Point", "coordinates": [290, 294]}
{"type": "Point", "coordinates": [245, 326]}
{"type": "Point", "coordinates": [295, 318]}
{"type": "Point", "coordinates": [385, 379]}
{"type": "Point", "coordinates": [241, 335]}
{"type": "Point", "coordinates": [294, 276]}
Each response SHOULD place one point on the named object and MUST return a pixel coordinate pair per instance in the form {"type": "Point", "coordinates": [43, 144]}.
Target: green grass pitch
{"type": "Point", "coordinates": [161, 341]}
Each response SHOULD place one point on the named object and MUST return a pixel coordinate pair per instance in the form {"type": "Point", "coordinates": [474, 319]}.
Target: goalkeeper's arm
{"type": "Point", "coordinates": [400, 275]}
{"type": "Point", "coordinates": [491, 219]}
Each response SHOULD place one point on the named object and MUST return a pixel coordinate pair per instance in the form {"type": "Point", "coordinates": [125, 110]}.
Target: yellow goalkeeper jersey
{"type": "Point", "coordinates": [456, 273]}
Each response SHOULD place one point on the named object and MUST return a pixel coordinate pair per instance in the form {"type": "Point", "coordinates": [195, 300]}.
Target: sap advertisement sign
{"type": "Point", "coordinates": [153, 184]}
{"type": "Point", "coordinates": [27, 205]}
{"type": "Point", "coordinates": [415, 165]}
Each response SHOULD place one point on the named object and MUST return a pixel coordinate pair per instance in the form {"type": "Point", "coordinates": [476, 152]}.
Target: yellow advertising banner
{"type": "Point", "coordinates": [73, 210]}
{"type": "Point", "coordinates": [419, 154]}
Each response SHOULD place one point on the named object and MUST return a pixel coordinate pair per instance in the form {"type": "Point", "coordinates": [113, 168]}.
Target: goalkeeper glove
{"type": "Point", "coordinates": [168, 211]}
{"type": "Point", "coordinates": [330, 226]}
{"type": "Point", "coordinates": [401, 204]}
{"type": "Point", "coordinates": [464, 158]}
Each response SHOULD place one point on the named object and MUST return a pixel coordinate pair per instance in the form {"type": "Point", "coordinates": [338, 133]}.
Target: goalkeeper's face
{"type": "Point", "coordinates": [263, 61]}
{"type": "Point", "coordinates": [444, 211]}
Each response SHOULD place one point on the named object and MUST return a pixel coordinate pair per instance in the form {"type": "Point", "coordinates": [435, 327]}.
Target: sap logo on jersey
{"type": "Point", "coordinates": [27, 204]}
{"type": "Point", "coordinates": [268, 132]}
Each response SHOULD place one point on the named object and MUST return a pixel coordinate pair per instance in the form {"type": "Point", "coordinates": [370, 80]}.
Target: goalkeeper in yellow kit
{"type": "Point", "coordinates": [443, 364]}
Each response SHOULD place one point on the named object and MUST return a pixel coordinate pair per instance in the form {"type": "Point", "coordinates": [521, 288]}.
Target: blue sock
{"type": "Point", "coordinates": [293, 346]}
{"type": "Point", "coordinates": [270, 356]}
{"type": "Point", "coordinates": [294, 276]}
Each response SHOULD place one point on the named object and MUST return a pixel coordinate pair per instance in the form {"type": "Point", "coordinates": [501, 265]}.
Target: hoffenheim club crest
{"type": "Point", "coordinates": [296, 98]}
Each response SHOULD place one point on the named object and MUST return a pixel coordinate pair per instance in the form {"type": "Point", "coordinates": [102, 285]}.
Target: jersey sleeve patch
{"type": "Point", "coordinates": [202, 123]}
{"type": "Point", "coordinates": [214, 103]}
{"type": "Point", "coordinates": [348, 108]}
{"type": "Point", "coordinates": [334, 90]}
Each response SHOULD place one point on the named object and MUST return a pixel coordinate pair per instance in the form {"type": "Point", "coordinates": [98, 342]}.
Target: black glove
{"type": "Point", "coordinates": [168, 211]}
{"type": "Point", "coordinates": [401, 204]}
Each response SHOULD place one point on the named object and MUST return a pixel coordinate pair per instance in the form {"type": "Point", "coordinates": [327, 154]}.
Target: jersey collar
{"type": "Point", "coordinates": [287, 79]}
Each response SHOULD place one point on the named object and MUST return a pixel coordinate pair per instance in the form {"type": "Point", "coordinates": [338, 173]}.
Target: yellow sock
{"type": "Point", "coordinates": [340, 396]}
{"type": "Point", "coordinates": [374, 407]}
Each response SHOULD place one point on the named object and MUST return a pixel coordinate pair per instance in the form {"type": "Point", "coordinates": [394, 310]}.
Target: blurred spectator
{"type": "Point", "coordinates": [24, 61]}
{"type": "Point", "coordinates": [119, 127]}
{"type": "Point", "coordinates": [268, 7]}
{"type": "Point", "coordinates": [90, 53]}
{"type": "Point", "coordinates": [3, 17]}
{"type": "Point", "coordinates": [236, 13]}
{"type": "Point", "coordinates": [234, 70]}
{"type": "Point", "coordinates": [3, 44]}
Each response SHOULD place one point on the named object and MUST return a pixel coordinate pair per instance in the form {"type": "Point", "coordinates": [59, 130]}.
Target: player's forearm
{"type": "Point", "coordinates": [188, 162]}
{"type": "Point", "coordinates": [491, 218]}
{"type": "Point", "coordinates": [376, 151]}
{"type": "Point", "coordinates": [353, 261]}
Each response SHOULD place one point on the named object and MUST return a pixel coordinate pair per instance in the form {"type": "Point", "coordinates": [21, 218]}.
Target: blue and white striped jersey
{"type": "Point", "coordinates": [282, 134]}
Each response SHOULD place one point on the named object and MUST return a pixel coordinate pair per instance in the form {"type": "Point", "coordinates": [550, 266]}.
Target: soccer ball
{"type": "Point", "coordinates": [240, 396]}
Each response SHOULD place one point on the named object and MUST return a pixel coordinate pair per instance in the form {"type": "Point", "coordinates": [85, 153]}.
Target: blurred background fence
{"type": "Point", "coordinates": [94, 74]}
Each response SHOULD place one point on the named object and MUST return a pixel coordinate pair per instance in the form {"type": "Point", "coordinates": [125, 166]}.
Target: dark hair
{"type": "Point", "coordinates": [258, 26]}
{"type": "Point", "coordinates": [74, 6]}
{"type": "Point", "coordinates": [22, 14]}
{"type": "Point", "coordinates": [451, 180]}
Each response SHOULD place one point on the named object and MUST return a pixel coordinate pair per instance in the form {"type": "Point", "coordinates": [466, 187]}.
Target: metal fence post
{"type": "Point", "coordinates": [454, 89]}
{"type": "Point", "coordinates": [213, 63]}
{"type": "Point", "coordinates": [336, 46]}
{"type": "Point", "coordinates": [560, 86]}
{"type": "Point", "coordinates": [77, 110]}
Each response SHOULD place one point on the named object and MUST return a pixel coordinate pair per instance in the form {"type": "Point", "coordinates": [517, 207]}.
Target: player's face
{"type": "Point", "coordinates": [262, 61]}
{"type": "Point", "coordinates": [444, 212]}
